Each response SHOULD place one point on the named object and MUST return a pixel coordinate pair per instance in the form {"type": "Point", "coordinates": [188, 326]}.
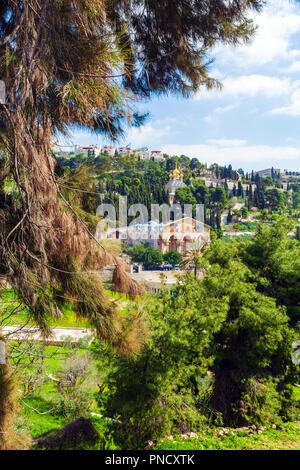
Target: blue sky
{"type": "Point", "coordinates": [254, 122]}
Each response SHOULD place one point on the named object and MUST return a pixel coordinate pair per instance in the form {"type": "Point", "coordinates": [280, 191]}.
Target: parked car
{"type": "Point", "coordinates": [157, 267]}
{"type": "Point", "coordinates": [177, 267]}
{"type": "Point", "coordinates": [167, 267]}
{"type": "Point", "coordinates": [153, 267]}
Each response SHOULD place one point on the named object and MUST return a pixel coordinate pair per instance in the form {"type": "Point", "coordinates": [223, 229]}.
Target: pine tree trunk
{"type": "Point", "coordinates": [8, 402]}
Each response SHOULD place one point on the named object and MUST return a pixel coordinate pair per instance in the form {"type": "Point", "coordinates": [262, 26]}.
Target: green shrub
{"type": "Point", "coordinates": [157, 392]}
{"type": "Point", "coordinates": [219, 349]}
{"type": "Point", "coordinates": [261, 402]}
{"type": "Point", "coordinates": [73, 407]}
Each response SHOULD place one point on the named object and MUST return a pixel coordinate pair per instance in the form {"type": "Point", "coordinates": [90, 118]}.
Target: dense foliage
{"type": "Point", "coordinates": [219, 348]}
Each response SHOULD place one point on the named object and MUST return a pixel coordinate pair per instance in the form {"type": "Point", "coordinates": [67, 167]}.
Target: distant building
{"type": "Point", "coordinates": [142, 154]}
{"type": "Point", "coordinates": [94, 151]}
{"type": "Point", "coordinates": [267, 172]}
{"type": "Point", "coordinates": [109, 150]}
{"type": "Point", "coordinates": [88, 151]}
{"type": "Point", "coordinates": [179, 235]}
{"type": "Point", "coordinates": [157, 155]}
{"type": "Point", "coordinates": [288, 175]}
{"type": "Point", "coordinates": [175, 182]}
{"type": "Point", "coordinates": [124, 150]}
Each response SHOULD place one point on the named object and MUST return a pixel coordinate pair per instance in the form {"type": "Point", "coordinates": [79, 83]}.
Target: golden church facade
{"type": "Point", "coordinates": [182, 235]}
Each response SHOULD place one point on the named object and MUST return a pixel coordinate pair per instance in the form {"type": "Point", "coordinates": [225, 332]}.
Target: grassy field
{"type": "Point", "coordinates": [270, 439]}
{"type": "Point", "coordinates": [9, 302]}
{"type": "Point", "coordinates": [36, 424]}
{"type": "Point", "coordinates": [36, 416]}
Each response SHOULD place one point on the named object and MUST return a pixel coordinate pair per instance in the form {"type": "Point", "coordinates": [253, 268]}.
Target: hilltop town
{"type": "Point", "coordinates": [145, 154]}
{"type": "Point", "coordinates": [234, 201]}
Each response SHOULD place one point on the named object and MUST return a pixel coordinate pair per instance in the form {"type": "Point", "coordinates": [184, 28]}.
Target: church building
{"type": "Point", "coordinates": [175, 182]}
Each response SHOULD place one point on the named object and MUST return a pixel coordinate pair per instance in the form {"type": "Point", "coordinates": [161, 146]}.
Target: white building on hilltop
{"type": "Point", "coordinates": [124, 150]}
{"type": "Point", "coordinates": [142, 154]}
{"type": "Point", "coordinates": [88, 151]}
{"type": "Point", "coordinates": [109, 150]}
{"type": "Point", "coordinates": [267, 172]}
{"type": "Point", "coordinates": [157, 155]}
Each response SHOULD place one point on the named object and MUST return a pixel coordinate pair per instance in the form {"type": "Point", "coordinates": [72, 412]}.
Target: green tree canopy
{"type": "Point", "coordinates": [274, 199]}
{"type": "Point", "coordinates": [146, 255]}
{"type": "Point", "coordinates": [173, 257]}
{"type": "Point", "coordinates": [222, 324]}
{"type": "Point", "coordinates": [171, 39]}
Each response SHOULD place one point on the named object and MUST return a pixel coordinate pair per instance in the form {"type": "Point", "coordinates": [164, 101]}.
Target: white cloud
{"type": "Point", "coordinates": [78, 137]}
{"type": "Point", "coordinates": [225, 109]}
{"type": "Point", "coordinates": [270, 62]}
{"type": "Point", "coordinates": [249, 86]}
{"type": "Point", "coordinates": [293, 109]}
{"type": "Point", "coordinates": [277, 24]}
{"type": "Point", "coordinates": [239, 155]}
{"type": "Point", "coordinates": [209, 119]}
{"type": "Point", "coordinates": [214, 117]}
{"type": "Point", "coordinates": [150, 134]}
{"type": "Point", "coordinates": [294, 67]}
{"type": "Point", "coordinates": [226, 142]}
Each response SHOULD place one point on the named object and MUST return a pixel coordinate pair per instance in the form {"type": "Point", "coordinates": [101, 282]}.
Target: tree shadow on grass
{"type": "Point", "coordinates": [76, 435]}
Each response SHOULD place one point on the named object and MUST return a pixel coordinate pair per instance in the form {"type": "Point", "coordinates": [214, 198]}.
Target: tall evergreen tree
{"type": "Point", "coordinates": [240, 191]}
{"type": "Point", "coordinates": [250, 197]}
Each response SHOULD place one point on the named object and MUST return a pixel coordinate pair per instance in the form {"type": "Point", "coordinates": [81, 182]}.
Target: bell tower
{"type": "Point", "coordinates": [175, 182]}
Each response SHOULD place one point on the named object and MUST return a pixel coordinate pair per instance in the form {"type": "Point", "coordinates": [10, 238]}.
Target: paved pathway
{"type": "Point", "coordinates": [59, 335]}
{"type": "Point", "coordinates": [238, 234]}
